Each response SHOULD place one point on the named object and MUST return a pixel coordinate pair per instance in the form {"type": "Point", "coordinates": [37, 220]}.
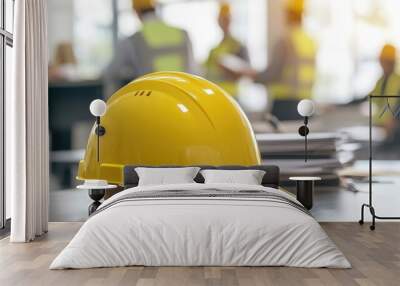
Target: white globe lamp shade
{"type": "Point", "coordinates": [98, 107]}
{"type": "Point", "coordinates": [306, 108]}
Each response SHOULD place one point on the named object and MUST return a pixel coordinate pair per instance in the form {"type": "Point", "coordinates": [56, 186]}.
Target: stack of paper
{"type": "Point", "coordinates": [327, 153]}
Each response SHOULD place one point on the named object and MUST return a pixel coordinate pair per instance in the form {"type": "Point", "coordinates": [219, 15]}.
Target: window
{"type": "Point", "coordinates": [93, 52]}
{"type": "Point", "coordinates": [6, 43]}
{"type": "Point", "coordinates": [350, 35]}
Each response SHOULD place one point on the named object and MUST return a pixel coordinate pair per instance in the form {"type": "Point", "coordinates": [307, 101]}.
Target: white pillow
{"type": "Point", "coordinates": [165, 176]}
{"type": "Point", "coordinates": [247, 177]}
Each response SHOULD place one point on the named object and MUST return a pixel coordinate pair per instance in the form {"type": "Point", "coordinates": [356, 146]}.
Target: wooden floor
{"type": "Point", "coordinates": [375, 257]}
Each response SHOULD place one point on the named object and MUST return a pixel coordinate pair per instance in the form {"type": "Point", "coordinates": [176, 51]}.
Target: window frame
{"type": "Point", "coordinates": [6, 39]}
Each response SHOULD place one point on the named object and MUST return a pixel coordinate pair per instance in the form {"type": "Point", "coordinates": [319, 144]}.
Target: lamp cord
{"type": "Point", "coordinates": [306, 149]}
{"type": "Point", "coordinates": [98, 138]}
{"type": "Point", "coordinates": [98, 146]}
{"type": "Point", "coordinates": [305, 138]}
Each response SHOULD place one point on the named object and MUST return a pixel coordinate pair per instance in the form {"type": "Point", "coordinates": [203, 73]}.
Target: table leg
{"type": "Point", "coordinates": [96, 195]}
{"type": "Point", "coordinates": [305, 192]}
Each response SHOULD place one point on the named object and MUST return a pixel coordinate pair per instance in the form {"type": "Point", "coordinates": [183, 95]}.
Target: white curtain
{"type": "Point", "coordinates": [27, 145]}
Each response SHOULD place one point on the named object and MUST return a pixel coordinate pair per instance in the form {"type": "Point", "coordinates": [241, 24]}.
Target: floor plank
{"type": "Point", "coordinates": [375, 257]}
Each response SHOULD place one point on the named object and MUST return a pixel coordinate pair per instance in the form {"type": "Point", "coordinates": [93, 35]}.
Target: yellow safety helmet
{"type": "Point", "coordinates": [141, 5]}
{"type": "Point", "coordinates": [224, 10]}
{"type": "Point", "coordinates": [169, 118]}
{"type": "Point", "coordinates": [388, 52]}
{"type": "Point", "coordinates": [295, 6]}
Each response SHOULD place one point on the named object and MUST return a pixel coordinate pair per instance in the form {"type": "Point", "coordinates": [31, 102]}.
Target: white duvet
{"type": "Point", "coordinates": [200, 231]}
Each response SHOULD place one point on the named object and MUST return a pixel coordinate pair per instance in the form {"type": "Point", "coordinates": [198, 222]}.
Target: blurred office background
{"type": "Point", "coordinates": [349, 36]}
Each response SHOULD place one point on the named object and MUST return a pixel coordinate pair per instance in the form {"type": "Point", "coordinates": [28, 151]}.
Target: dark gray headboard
{"type": "Point", "coordinates": [271, 177]}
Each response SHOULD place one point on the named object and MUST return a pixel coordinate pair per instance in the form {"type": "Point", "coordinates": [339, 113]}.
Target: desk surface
{"type": "Point", "coordinates": [379, 168]}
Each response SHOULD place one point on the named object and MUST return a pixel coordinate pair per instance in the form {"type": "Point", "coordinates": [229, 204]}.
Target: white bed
{"type": "Point", "coordinates": [265, 229]}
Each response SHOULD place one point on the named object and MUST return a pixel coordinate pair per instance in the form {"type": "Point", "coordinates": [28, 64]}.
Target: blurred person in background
{"type": "Point", "coordinates": [388, 84]}
{"type": "Point", "coordinates": [157, 46]}
{"type": "Point", "coordinates": [291, 73]}
{"type": "Point", "coordinates": [228, 46]}
{"type": "Point", "coordinates": [64, 66]}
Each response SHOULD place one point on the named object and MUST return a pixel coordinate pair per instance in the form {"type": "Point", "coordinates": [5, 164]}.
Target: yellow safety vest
{"type": "Point", "coordinates": [228, 45]}
{"type": "Point", "coordinates": [298, 74]}
{"type": "Point", "coordinates": [392, 87]}
{"type": "Point", "coordinates": [165, 45]}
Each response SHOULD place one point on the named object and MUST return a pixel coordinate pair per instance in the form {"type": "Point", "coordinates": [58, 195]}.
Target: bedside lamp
{"type": "Point", "coordinates": [305, 108]}
{"type": "Point", "coordinates": [98, 108]}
